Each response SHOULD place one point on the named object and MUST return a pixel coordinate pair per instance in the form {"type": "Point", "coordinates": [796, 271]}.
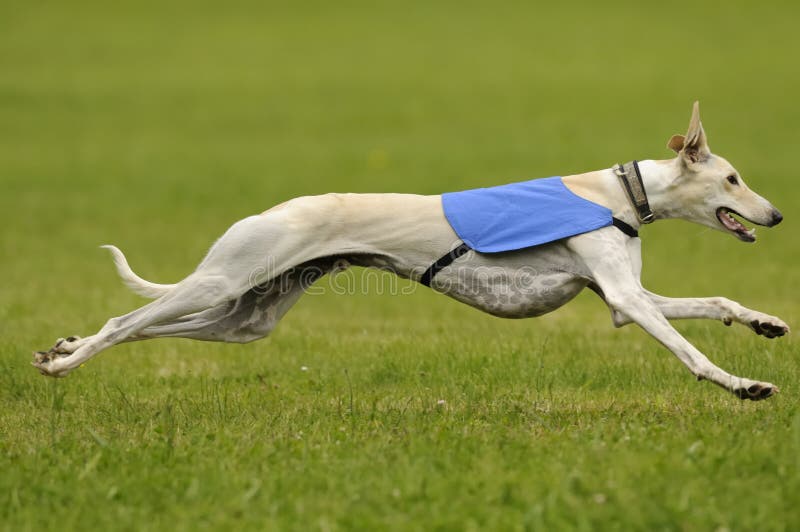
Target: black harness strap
{"type": "Point", "coordinates": [462, 248]}
{"type": "Point", "coordinates": [443, 263]}
{"type": "Point", "coordinates": [625, 228]}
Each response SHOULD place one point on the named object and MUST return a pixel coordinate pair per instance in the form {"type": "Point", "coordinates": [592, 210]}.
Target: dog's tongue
{"type": "Point", "coordinates": [737, 227]}
{"type": "Point", "coordinates": [732, 223]}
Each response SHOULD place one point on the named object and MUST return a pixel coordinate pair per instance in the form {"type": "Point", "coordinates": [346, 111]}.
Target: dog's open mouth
{"type": "Point", "coordinates": [725, 216]}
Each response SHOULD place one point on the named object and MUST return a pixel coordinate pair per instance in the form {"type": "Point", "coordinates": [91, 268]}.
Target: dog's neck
{"type": "Point", "coordinates": [604, 188]}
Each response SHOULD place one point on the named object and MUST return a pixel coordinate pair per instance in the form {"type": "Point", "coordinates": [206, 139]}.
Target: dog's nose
{"type": "Point", "coordinates": [777, 217]}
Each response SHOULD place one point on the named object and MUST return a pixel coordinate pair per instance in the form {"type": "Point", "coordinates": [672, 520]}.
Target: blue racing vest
{"type": "Point", "coordinates": [521, 215]}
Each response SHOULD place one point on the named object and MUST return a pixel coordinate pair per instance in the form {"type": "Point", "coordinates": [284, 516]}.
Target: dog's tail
{"type": "Point", "coordinates": [133, 281]}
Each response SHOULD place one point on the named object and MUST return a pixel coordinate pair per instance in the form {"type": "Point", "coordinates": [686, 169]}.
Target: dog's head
{"type": "Point", "coordinates": [710, 191]}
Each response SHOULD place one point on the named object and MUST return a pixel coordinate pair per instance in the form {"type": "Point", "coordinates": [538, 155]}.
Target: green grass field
{"type": "Point", "coordinates": [155, 127]}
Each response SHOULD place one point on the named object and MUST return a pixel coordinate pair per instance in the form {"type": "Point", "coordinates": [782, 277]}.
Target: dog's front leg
{"type": "Point", "coordinates": [713, 308]}
{"type": "Point", "coordinates": [606, 257]}
{"type": "Point", "coordinates": [720, 308]}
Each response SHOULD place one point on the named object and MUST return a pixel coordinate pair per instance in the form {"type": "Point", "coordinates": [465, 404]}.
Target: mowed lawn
{"type": "Point", "coordinates": [155, 127]}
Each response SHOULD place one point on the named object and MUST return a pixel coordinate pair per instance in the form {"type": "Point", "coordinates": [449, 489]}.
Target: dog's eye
{"type": "Point", "coordinates": [732, 180]}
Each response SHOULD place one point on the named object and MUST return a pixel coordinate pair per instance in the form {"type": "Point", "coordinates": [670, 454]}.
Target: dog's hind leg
{"type": "Point", "coordinates": [250, 317]}
{"type": "Point", "coordinates": [196, 312]}
{"type": "Point", "coordinates": [195, 293]}
{"type": "Point", "coordinates": [251, 251]}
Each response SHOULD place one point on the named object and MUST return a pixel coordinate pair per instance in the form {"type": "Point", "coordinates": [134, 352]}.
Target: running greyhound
{"type": "Point", "coordinates": [257, 270]}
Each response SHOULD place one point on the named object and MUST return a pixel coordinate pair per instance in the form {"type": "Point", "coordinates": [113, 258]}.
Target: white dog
{"type": "Point", "coordinates": [262, 264]}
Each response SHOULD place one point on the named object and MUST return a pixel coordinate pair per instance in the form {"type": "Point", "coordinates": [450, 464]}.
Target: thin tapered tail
{"type": "Point", "coordinates": [134, 282]}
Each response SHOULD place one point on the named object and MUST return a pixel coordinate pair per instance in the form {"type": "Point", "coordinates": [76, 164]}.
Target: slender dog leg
{"type": "Point", "coordinates": [713, 308]}
{"type": "Point", "coordinates": [195, 293]}
{"type": "Point", "coordinates": [249, 317]}
{"type": "Point", "coordinates": [233, 265]}
{"type": "Point", "coordinates": [609, 262]}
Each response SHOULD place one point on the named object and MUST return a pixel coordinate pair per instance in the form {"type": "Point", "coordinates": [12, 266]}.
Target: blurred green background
{"type": "Point", "coordinates": [154, 126]}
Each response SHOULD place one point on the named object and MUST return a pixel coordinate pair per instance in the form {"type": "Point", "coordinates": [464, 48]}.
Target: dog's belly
{"type": "Point", "coordinates": [514, 285]}
{"type": "Point", "coordinates": [515, 295]}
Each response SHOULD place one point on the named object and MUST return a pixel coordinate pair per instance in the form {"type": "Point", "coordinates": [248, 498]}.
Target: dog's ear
{"type": "Point", "coordinates": [676, 143]}
{"type": "Point", "coordinates": [695, 145]}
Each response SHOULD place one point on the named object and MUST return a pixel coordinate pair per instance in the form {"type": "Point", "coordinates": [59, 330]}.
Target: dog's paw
{"type": "Point", "coordinates": [67, 345]}
{"type": "Point", "coordinates": [769, 326]}
{"type": "Point", "coordinates": [755, 391]}
{"type": "Point", "coordinates": [47, 363]}
{"type": "Point", "coordinates": [765, 325]}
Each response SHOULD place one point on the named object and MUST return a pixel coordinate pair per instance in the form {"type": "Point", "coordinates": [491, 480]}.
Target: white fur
{"type": "Point", "coordinates": [262, 264]}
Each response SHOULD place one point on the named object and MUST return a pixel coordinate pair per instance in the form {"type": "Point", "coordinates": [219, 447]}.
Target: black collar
{"type": "Point", "coordinates": [635, 190]}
